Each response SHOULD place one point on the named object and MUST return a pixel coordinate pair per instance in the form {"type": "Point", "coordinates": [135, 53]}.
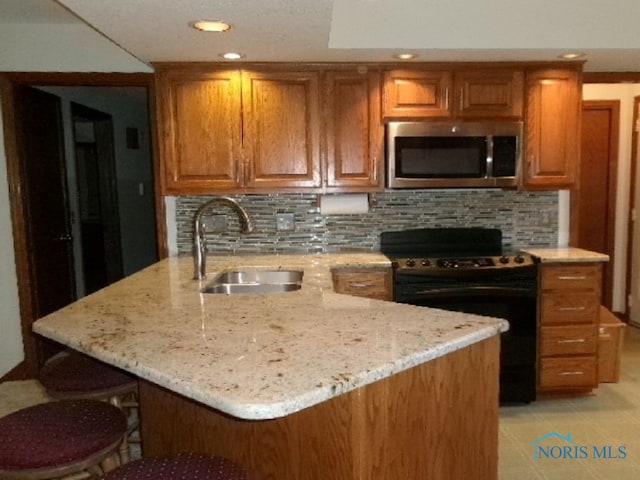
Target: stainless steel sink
{"type": "Point", "coordinates": [255, 281]}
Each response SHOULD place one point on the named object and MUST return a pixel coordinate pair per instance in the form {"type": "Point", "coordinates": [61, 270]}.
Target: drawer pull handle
{"type": "Point", "coordinates": [361, 285]}
{"type": "Point", "coordinates": [572, 277]}
{"type": "Point", "coordinates": [571, 309]}
{"type": "Point", "coordinates": [573, 340]}
{"type": "Point", "coordinates": [572, 373]}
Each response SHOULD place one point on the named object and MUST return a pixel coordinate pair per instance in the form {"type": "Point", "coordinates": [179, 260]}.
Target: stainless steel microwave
{"type": "Point", "coordinates": [447, 154]}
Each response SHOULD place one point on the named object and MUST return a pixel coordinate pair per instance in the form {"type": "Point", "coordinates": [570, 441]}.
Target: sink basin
{"type": "Point", "coordinates": [255, 281]}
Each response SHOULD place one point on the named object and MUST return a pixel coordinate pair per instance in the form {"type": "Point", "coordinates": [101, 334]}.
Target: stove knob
{"type": "Point", "coordinates": [519, 259]}
{"type": "Point", "coordinates": [425, 262]}
{"type": "Point", "coordinates": [504, 259]}
{"type": "Point", "coordinates": [411, 262]}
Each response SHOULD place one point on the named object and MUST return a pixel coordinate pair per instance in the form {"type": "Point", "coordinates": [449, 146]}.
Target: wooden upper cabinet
{"type": "Point", "coordinates": [199, 130]}
{"type": "Point", "coordinates": [281, 129]}
{"type": "Point", "coordinates": [354, 131]}
{"type": "Point", "coordinates": [489, 93]}
{"type": "Point", "coordinates": [416, 93]}
{"type": "Point", "coordinates": [552, 128]}
{"type": "Point", "coordinates": [462, 93]}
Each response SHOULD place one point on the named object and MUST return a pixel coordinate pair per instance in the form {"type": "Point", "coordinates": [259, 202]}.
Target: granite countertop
{"type": "Point", "coordinates": [566, 254]}
{"type": "Point", "coordinates": [258, 356]}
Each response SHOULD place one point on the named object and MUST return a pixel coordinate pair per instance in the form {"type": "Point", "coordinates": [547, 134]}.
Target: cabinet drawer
{"type": "Point", "coordinates": [568, 372]}
{"type": "Point", "coordinates": [370, 283]}
{"type": "Point", "coordinates": [568, 340]}
{"type": "Point", "coordinates": [568, 308]}
{"type": "Point", "coordinates": [574, 278]}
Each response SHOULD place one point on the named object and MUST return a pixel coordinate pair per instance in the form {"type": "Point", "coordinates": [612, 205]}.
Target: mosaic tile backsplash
{"type": "Point", "coordinates": [525, 218]}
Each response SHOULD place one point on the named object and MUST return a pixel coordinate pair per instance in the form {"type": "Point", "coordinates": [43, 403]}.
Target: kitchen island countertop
{"type": "Point", "coordinates": [258, 356]}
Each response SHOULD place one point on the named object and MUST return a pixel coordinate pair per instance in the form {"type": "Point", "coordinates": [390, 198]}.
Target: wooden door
{"type": "Point", "coordinates": [492, 93]}
{"type": "Point", "coordinates": [200, 130]}
{"type": "Point", "coordinates": [281, 129]}
{"type": "Point", "coordinates": [594, 197]}
{"type": "Point", "coordinates": [416, 94]}
{"type": "Point", "coordinates": [354, 131]}
{"type": "Point", "coordinates": [552, 142]}
{"type": "Point", "coordinates": [39, 131]}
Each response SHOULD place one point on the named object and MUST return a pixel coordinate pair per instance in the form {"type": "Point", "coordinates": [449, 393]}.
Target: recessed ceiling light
{"type": "Point", "coordinates": [405, 56]}
{"type": "Point", "coordinates": [572, 56]}
{"type": "Point", "coordinates": [210, 26]}
{"type": "Point", "coordinates": [232, 56]}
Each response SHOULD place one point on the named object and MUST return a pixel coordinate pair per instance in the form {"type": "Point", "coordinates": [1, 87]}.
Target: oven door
{"type": "Point", "coordinates": [515, 303]}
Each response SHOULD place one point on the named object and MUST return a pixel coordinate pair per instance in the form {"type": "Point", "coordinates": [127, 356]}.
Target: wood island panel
{"type": "Point", "coordinates": [438, 420]}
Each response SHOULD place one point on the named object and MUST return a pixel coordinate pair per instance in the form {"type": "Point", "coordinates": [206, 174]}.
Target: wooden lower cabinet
{"type": "Point", "coordinates": [579, 372]}
{"type": "Point", "coordinates": [568, 340]}
{"type": "Point", "coordinates": [569, 305]}
{"type": "Point", "coordinates": [438, 420]}
{"type": "Point", "coordinates": [374, 283]}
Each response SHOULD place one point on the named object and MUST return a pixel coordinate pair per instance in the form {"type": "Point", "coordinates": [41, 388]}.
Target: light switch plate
{"type": "Point", "coordinates": [215, 223]}
{"type": "Point", "coordinates": [285, 221]}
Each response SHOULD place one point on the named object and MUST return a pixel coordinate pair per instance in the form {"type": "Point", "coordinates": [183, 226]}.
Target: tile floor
{"type": "Point", "coordinates": [610, 417]}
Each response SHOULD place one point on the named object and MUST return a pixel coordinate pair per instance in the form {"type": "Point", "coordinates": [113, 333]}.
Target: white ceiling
{"type": "Point", "coordinates": [357, 30]}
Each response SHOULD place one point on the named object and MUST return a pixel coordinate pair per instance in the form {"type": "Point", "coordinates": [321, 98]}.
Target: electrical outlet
{"type": "Point", "coordinates": [215, 223]}
{"type": "Point", "coordinates": [285, 221]}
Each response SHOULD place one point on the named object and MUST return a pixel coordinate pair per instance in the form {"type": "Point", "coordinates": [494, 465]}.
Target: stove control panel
{"type": "Point", "coordinates": [463, 263]}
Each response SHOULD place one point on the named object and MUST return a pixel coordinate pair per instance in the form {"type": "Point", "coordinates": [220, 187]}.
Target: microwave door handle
{"type": "Point", "coordinates": [489, 172]}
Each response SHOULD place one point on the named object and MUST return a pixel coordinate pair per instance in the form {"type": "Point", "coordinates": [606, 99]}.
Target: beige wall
{"type": "Point", "coordinates": [11, 352]}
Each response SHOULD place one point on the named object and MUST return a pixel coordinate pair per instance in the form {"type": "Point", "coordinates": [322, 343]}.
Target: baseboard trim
{"type": "Point", "coordinates": [19, 372]}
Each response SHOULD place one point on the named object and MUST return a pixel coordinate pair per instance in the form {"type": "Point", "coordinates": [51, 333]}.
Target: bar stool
{"type": "Point", "coordinates": [73, 376]}
{"type": "Point", "coordinates": [185, 466]}
{"type": "Point", "coordinates": [54, 439]}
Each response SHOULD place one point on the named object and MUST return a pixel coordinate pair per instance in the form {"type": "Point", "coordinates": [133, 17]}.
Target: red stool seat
{"type": "Point", "coordinates": [187, 467]}
{"type": "Point", "coordinates": [64, 437]}
{"type": "Point", "coordinates": [75, 376]}
{"type": "Point", "coordinates": [80, 376]}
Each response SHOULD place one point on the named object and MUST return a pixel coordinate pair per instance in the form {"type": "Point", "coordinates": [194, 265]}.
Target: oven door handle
{"type": "Point", "coordinates": [473, 291]}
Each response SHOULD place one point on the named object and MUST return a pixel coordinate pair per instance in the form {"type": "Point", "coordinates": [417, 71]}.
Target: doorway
{"type": "Point", "coordinates": [594, 199]}
{"type": "Point", "coordinates": [31, 282]}
{"type": "Point", "coordinates": [97, 197]}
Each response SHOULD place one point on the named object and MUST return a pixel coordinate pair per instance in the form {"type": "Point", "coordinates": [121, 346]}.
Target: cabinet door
{"type": "Point", "coordinates": [199, 131]}
{"type": "Point", "coordinates": [354, 131]}
{"type": "Point", "coordinates": [416, 94]}
{"type": "Point", "coordinates": [281, 129]}
{"type": "Point", "coordinates": [489, 93]}
{"type": "Point", "coordinates": [552, 128]}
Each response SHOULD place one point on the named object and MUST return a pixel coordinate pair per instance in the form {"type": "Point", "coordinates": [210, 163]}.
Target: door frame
{"type": "Point", "coordinates": [635, 139]}
{"type": "Point", "coordinates": [15, 179]}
